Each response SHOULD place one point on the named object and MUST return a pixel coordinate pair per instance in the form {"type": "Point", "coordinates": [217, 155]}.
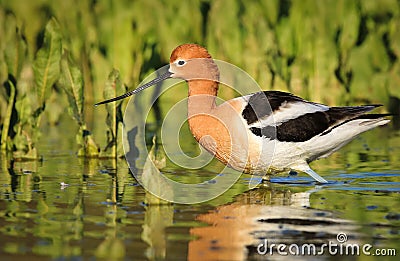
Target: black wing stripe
{"type": "Point", "coordinates": [310, 125]}
{"type": "Point", "coordinates": [262, 104]}
{"type": "Point", "coordinates": [300, 129]}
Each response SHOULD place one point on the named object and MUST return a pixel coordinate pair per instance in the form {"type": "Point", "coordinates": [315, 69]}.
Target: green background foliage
{"type": "Point", "coordinates": [335, 52]}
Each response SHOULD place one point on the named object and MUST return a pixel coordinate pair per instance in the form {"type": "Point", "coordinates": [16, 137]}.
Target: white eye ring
{"type": "Point", "coordinates": [180, 63]}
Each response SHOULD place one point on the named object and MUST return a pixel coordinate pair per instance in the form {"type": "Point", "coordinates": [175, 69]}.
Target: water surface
{"type": "Point", "coordinates": [67, 208]}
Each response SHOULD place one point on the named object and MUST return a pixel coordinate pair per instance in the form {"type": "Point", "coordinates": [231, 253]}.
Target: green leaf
{"type": "Point", "coordinates": [26, 132]}
{"type": "Point", "coordinates": [72, 83]}
{"type": "Point", "coordinates": [113, 88]}
{"type": "Point", "coordinates": [7, 119]}
{"type": "Point", "coordinates": [46, 66]}
{"type": "Point", "coordinates": [15, 53]}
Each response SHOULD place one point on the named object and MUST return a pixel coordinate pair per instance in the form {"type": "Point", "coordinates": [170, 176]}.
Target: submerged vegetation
{"type": "Point", "coordinates": [58, 56]}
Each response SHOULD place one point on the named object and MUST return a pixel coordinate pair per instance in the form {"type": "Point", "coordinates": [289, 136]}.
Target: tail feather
{"type": "Point", "coordinates": [373, 120]}
{"type": "Point", "coordinates": [339, 114]}
{"type": "Point", "coordinates": [343, 115]}
{"type": "Point", "coordinates": [373, 116]}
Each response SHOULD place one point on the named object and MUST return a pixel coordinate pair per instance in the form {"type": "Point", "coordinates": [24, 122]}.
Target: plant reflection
{"type": "Point", "coordinates": [112, 247]}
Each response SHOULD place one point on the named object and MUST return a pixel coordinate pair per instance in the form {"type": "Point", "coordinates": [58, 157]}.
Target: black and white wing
{"type": "Point", "coordinates": [288, 118]}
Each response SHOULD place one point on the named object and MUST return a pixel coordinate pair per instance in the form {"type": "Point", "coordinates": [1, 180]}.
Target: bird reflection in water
{"type": "Point", "coordinates": [277, 215]}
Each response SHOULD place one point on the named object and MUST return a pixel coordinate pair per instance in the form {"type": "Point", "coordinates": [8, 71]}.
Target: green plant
{"type": "Point", "coordinates": [114, 121]}
{"type": "Point", "coordinates": [72, 83]}
{"type": "Point", "coordinates": [25, 105]}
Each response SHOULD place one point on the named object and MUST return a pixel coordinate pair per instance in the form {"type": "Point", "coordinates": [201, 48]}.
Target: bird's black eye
{"type": "Point", "coordinates": [181, 62]}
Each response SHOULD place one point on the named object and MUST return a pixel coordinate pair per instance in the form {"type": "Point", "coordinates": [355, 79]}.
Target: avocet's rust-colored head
{"type": "Point", "coordinates": [189, 62]}
{"type": "Point", "coordinates": [189, 51]}
{"type": "Point", "coordinates": [192, 62]}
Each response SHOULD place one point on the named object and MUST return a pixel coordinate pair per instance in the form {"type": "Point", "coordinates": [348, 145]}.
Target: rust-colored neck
{"type": "Point", "coordinates": [202, 96]}
{"type": "Point", "coordinates": [206, 123]}
{"type": "Point", "coordinates": [201, 103]}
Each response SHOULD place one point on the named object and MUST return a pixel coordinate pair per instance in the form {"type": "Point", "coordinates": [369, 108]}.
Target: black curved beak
{"type": "Point", "coordinates": [140, 88]}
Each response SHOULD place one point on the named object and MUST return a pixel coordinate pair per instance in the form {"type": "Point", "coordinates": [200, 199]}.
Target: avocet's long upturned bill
{"type": "Point", "coordinates": [238, 131]}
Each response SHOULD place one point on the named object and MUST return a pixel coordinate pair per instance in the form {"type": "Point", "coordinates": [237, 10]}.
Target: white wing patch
{"type": "Point", "coordinates": [288, 111]}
